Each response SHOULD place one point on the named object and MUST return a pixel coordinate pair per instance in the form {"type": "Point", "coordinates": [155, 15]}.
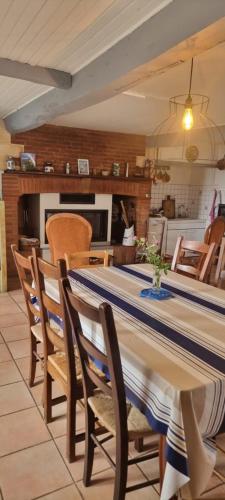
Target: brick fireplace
{"type": "Point", "coordinates": [16, 185]}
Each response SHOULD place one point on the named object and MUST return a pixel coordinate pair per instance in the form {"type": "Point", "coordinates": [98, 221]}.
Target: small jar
{"type": "Point", "coordinates": [68, 168]}
{"type": "Point", "coordinates": [116, 169]}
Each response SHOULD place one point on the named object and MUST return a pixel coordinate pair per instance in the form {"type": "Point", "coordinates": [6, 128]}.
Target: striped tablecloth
{"type": "Point", "coordinates": [173, 357]}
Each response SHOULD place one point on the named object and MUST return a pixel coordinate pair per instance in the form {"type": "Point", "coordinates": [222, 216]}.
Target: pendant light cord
{"type": "Point", "coordinates": [189, 91]}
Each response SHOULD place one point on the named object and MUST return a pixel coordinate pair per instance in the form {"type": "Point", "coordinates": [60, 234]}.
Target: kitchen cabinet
{"type": "Point", "coordinates": [190, 229]}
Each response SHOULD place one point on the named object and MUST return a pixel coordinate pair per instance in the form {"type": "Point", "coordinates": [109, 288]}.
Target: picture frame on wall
{"type": "Point", "coordinates": [83, 167]}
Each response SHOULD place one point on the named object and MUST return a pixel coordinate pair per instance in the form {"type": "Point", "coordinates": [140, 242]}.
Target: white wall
{"type": "Point", "coordinates": [7, 149]}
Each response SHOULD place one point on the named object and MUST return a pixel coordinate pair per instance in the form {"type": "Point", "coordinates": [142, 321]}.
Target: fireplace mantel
{"type": "Point", "coordinates": [16, 184]}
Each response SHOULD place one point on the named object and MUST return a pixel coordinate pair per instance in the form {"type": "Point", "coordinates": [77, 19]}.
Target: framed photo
{"type": "Point", "coordinates": [83, 167]}
{"type": "Point", "coordinates": [28, 161]}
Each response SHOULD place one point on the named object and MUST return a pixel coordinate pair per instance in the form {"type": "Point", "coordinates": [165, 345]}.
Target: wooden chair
{"type": "Point", "coordinates": [25, 271]}
{"type": "Point", "coordinates": [67, 233]}
{"type": "Point", "coordinates": [87, 259]}
{"type": "Point", "coordinates": [220, 269]}
{"type": "Point", "coordinates": [215, 231]}
{"type": "Point", "coordinates": [106, 401]}
{"type": "Point", "coordinates": [60, 361]}
{"type": "Point", "coordinates": [200, 270]}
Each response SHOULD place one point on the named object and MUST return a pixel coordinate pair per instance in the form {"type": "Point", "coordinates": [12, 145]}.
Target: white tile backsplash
{"type": "Point", "coordinates": [197, 200]}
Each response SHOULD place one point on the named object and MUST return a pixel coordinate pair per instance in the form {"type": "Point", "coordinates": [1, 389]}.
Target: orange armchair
{"type": "Point", "coordinates": [67, 233]}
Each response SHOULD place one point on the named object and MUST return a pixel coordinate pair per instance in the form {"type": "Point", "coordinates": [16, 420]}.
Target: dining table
{"type": "Point", "coordinates": [173, 361]}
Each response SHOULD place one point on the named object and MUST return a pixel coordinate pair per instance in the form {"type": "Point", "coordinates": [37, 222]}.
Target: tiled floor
{"type": "Point", "coordinates": [32, 455]}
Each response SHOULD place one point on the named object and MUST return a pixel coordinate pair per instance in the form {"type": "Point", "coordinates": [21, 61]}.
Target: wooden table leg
{"type": "Point", "coordinates": [162, 458]}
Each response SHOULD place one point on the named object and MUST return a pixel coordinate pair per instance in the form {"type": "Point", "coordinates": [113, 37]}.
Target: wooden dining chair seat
{"type": "Point", "coordinates": [87, 259]}
{"type": "Point", "coordinates": [25, 269]}
{"type": "Point", "coordinates": [37, 331]}
{"type": "Point", "coordinates": [67, 233]}
{"type": "Point", "coordinates": [57, 367]}
{"type": "Point", "coordinates": [199, 261]}
{"type": "Point", "coordinates": [103, 407]}
{"type": "Point", "coordinates": [103, 400]}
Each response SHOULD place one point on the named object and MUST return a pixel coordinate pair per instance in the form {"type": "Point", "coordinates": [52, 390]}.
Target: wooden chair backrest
{"type": "Point", "coordinates": [67, 233]}
{"type": "Point", "coordinates": [110, 360]}
{"type": "Point", "coordinates": [25, 269]}
{"type": "Point", "coordinates": [82, 259]}
{"type": "Point", "coordinates": [205, 253]}
{"type": "Point", "coordinates": [215, 231]}
{"type": "Point", "coordinates": [49, 307]}
{"type": "Point", "coordinates": [220, 268]}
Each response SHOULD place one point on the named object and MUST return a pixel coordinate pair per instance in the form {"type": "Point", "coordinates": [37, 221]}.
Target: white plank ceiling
{"type": "Point", "coordinates": [148, 102]}
{"type": "Point", "coordinates": [62, 34]}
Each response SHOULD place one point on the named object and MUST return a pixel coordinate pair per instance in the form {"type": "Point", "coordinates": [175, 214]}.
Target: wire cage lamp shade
{"type": "Point", "coordinates": [189, 131]}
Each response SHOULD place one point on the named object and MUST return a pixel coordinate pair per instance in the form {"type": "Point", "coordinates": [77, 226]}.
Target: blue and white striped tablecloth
{"type": "Point", "coordinates": [173, 357]}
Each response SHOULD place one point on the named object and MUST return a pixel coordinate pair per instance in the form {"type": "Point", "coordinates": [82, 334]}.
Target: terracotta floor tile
{"type": "Point", "coordinates": [24, 364]}
{"type": "Point", "coordinates": [103, 483]}
{"type": "Point", "coordinates": [4, 353]}
{"type": "Point", "coordinates": [15, 293]}
{"type": "Point", "coordinates": [16, 332]}
{"type": "Point", "coordinates": [21, 430]}
{"type": "Point", "coordinates": [35, 471]}
{"type": "Point", "coordinates": [23, 307]}
{"type": "Point", "coordinates": [13, 319]}
{"type": "Point", "coordinates": [9, 373]}
{"type": "Point", "coordinates": [37, 389]}
{"type": "Point", "coordinates": [76, 468]}
{"type": "Point", "coordinates": [14, 397]}
{"type": "Point", "coordinates": [6, 300]}
{"type": "Point", "coordinates": [9, 308]}
{"type": "Point", "coordinates": [58, 426]}
{"type": "Point", "coordinates": [21, 348]}
{"type": "Point", "coordinates": [68, 493]}
{"type": "Point", "coordinates": [19, 298]}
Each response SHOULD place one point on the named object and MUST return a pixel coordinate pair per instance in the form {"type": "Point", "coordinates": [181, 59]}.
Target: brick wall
{"type": "Point", "coordinates": [63, 144]}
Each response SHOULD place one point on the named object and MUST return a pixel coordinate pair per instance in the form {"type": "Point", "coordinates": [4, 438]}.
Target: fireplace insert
{"type": "Point", "coordinates": [97, 218]}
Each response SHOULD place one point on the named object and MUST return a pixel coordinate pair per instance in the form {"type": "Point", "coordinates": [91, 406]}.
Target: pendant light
{"type": "Point", "coordinates": [188, 120]}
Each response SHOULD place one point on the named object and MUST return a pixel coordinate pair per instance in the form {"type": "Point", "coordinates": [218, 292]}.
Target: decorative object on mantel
{"type": "Point", "coordinates": [28, 161]}
{"type": "Point", "coordinates": [149, 253]}
{"type": "Point", "coordinates": [140, 164]}
{"type": "Point", "coordinates": [67, 168]}
{"type": "Point", "coordinates": [48, 167]}
{"type": "Point", "coordinates": [193, 135]}
{"type": "Point", "coordinates": [116, 169]}
{"type": "Point", "coordinates": [105, 173]}
{"type": "Point", "coordinates": [83, 167]}
{"type": "Point", "coordinates": [10, 164]}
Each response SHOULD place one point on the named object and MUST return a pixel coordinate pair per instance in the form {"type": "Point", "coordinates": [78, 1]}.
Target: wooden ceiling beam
{"type": "Point", "coordinates": [106, 75]}
{"type": "Point", "coordinates": [37, 74]}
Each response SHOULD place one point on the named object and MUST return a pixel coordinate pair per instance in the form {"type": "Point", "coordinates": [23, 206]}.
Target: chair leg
{"type": "Point", "coordinates": [47, 397]}
{"type": "Point", "coordinates": [33, 361]}
{"type": "Point", "coordinates": [139, 445]}
{"type": "Point", "coordinates": [120, 481]}
{"type": "Point", "coordinates": [89, 446]}
{"type": "Point", "coordinates": [71, 428]}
